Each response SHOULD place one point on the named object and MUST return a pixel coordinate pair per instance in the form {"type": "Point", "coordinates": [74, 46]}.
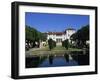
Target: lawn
{"type": "Point", "coordinates": [59, 48]}
{"type": "Point", "coordinates": [56, 50]}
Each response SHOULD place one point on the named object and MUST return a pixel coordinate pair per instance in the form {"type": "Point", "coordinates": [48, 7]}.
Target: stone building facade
{"type": "Point", "coordinates": [58, 37]}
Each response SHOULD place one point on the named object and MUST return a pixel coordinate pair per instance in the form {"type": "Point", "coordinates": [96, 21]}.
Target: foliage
{"type": "Point", "coordinates": [81, 36]}
{"type": "Point", "coordinates": [33, 35]}
{"type": "Point", "coordinates": [65, 43]}
{"type": "Point", "coordinates": [51, 44]}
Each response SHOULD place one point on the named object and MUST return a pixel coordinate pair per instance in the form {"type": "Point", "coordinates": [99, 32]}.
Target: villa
{"type": "Point", "coordinates": [61, 36]}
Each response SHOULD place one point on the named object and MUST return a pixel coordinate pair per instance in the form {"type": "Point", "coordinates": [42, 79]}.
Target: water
{"type": "Point", "coordinates": [72, 59]}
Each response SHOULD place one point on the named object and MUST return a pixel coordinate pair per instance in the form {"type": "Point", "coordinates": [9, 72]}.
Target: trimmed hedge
{"type": "Point", "coordinates": [51, 44]}
{"type": "Point", "coordinates": [65, 43]}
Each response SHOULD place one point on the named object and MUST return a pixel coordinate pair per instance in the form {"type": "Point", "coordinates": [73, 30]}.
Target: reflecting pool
{"type": "Point", "coordinates": [68, 59]}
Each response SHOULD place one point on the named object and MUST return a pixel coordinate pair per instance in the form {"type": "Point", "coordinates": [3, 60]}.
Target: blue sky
{"type": "Point", "coordinates": [44, 22]}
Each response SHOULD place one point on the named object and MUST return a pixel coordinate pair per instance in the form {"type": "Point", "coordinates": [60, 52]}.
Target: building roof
{"type": "Point", "coordinates": [59, 33]}
{"type": "Point", "coordinates": [56, 33]}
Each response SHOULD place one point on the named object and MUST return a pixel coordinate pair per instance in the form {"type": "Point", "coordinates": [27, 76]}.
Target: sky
{"type": "Point", "coordinates": [45, 22]}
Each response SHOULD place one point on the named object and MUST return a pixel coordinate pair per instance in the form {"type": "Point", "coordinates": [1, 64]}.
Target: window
{"type": "Point", "coordinates": [58, 40]}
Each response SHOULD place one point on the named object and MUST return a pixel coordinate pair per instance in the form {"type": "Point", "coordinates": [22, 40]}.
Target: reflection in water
{"type": "Point", "coordinates": [67, 59]}
{"type": "Point", "coordinates": [34, 61]}
{"type": "Point", "coordinates": [83, 59]}
{"type": "Point", "coordinates": [51, 59]}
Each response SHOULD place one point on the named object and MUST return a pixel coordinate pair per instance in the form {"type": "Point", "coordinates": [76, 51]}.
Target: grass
{"type": "Point", "coordinates": [57, 49]}
{"type": "Point", "coordinates": [74, 49]}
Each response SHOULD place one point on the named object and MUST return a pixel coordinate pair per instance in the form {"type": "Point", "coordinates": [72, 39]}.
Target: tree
{"type": "Point", "coordinates": [65, 43]}
{"type": "Point", "coordinates": [33, 35]}
{"type": "Point", "coordinates": [81, 36]}
{"type": "Point", "coordinates": [44, 36]}
{"type": "Point", "coordinates": [51, 44]}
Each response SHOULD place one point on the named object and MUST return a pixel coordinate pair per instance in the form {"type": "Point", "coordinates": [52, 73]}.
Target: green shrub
{"type": "Point", "coordinates": [51, 44]}
{"type": "Point", "coordinates": [65, 43]}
